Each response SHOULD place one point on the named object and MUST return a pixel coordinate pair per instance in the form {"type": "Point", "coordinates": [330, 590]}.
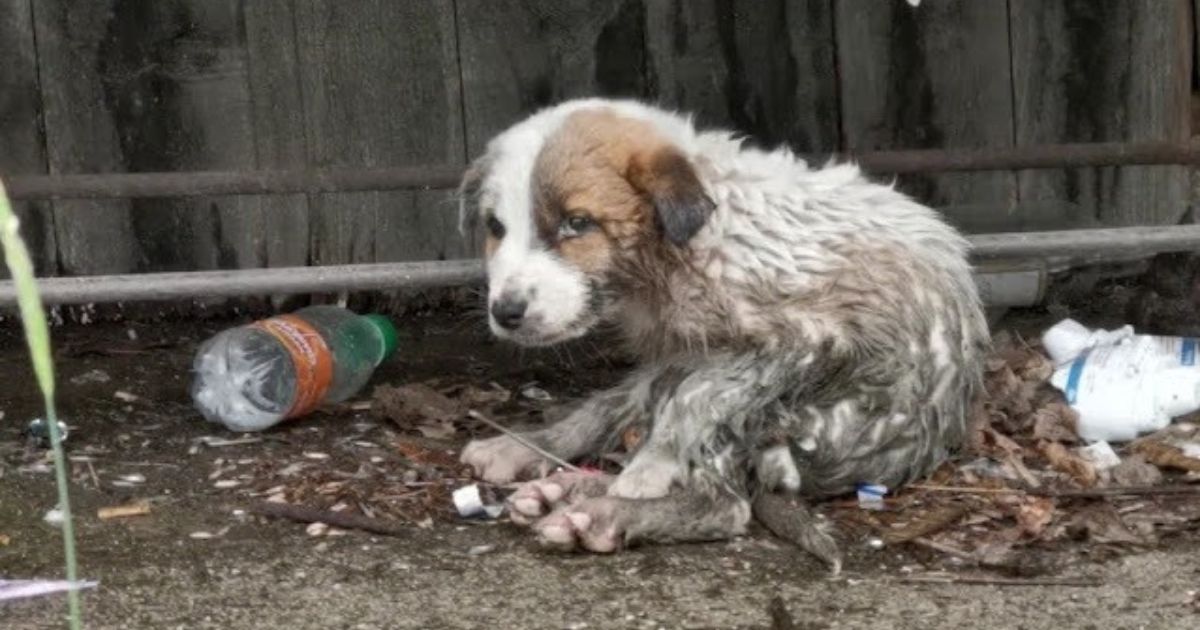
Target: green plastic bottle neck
{"type": "Point", "coordinates": [387, 334]}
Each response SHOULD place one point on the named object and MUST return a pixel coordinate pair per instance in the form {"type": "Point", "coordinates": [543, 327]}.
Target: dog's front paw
{"type": "Point", "coordinates": [502, 460]}
{"type": "Point", "coordinates": [537, 498]}
{"type": "Point", "coordinates": [647, 477]}
{"type": "Point", "coordinates": [592, 525]}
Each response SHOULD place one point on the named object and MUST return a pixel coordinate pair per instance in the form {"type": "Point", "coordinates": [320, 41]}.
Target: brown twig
{"type": "Point", "coordinates": [340, 520]}
{"type": "Point", "coordinates": [963, 489]}
{"type": "Point", "coordinates": [999, 581]}
{"type": "Point", "coordinates": [944, 548]}
{"type": "Point", "coordinates": [524, 442]}
{"type": "Point", "coordinates": [1131, 491]}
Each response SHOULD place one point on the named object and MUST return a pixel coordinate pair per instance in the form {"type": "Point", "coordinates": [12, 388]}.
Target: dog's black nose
{"type": "Point", "coordinates": [509, 312]}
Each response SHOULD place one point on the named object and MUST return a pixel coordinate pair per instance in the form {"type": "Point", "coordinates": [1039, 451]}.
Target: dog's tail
{"type": "Point", "coordinates": [789, 517]}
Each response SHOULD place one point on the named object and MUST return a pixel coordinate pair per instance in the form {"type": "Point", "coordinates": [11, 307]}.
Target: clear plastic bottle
{"type": "Point", "coordinates": [254, 376]}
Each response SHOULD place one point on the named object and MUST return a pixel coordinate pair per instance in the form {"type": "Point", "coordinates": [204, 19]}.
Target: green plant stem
{"type": "Point", "coordinates": [37, 335]}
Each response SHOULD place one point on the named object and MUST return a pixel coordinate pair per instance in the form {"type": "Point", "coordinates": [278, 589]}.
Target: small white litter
{"type": "Point", "coordinates": [470, 503]}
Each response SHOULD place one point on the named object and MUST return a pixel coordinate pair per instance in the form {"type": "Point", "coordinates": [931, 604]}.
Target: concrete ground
{"type": "Point", "coordinates": [258, 573]}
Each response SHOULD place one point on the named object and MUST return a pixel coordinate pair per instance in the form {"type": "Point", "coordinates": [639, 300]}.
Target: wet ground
{"type": "Point", "coordinates": [125, 400]}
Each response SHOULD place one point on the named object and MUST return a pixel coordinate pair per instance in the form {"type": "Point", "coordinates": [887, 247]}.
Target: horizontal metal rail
{"type": "Point", "coordinates": [422, 275]}
{"type": "Point", "coordinates": [185, 184]}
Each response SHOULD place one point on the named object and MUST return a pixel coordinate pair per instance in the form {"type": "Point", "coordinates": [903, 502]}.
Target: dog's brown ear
{"type": "Point", "coordinates": [669, 181]}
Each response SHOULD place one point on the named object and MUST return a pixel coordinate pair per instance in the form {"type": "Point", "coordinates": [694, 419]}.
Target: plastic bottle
{"type": "Point", "coordinates": [1122, 384]}
{"type": "Point", "coordinates": [255, 376]}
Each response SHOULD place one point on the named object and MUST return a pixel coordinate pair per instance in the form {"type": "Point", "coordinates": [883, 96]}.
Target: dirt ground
{"type": "Point", "coordinates": [263, 573]}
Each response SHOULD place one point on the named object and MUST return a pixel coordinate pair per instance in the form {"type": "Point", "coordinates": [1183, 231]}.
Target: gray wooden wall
{"type": "Point", "coordinates": [150, 85]}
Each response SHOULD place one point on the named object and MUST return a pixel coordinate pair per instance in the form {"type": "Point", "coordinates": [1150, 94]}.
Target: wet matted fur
{"type": "Point", "coordinates": [800, 330]}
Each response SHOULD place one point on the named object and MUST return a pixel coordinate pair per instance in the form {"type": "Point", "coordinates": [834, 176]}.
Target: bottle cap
{"type": "Point", "coordinates": [387, 333]}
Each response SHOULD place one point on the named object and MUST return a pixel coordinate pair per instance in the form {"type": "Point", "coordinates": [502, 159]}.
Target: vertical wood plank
{"type": "Point", "coordinates": [22, 144]}
{"type": "Point", "coordinates": [381, 87]}
{"type": "Point", "coordinates": [519, 57]}
{"type": "Point", "coordinates": [1104, 71]}
{"type": "Point", "coordinates": [138, 86]}
{"type": "Point", "coordinates": [81, 137]}
{"type": "Point", "coordinates": [277, 111]}
{"type": "Point", "coordinates": [934, 76]}
{"type": "Point", "coordinates": [763, 67]}
{"type": "Point", "coordinates": [175, 76]}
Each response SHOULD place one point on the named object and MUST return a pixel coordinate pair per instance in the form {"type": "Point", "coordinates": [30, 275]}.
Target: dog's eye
{"type": "Point", "coordinates": [574, 226]}
{"type": "Point", "coordinates": [495, 227]}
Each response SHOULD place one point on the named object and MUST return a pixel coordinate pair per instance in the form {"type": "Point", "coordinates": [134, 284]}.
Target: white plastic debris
{"type": "Point", "coordinates": [23, 589]}
{"type": "Point", "coordinates": [1123, 384]}
{"type": "Point", "coordinates": [469, 502]}
{"type": "Point", "coordinates": [870, 496]}
{"type": "Point", "coordinates": [1100, 454]}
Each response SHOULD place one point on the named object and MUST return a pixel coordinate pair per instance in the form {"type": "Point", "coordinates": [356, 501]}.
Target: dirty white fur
{"type": "Point", "coordinates": [824, 332]}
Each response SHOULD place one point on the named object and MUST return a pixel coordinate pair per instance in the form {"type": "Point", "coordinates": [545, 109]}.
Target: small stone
{"type": "Point", "coordinates": [533, 392]}
{"type": "Point", "coordinates": [316, 529]}
{"type": "Point", "coordinates": [54, 517]}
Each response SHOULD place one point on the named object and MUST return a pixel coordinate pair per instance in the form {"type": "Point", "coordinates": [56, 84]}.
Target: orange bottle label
{"type": "Point", "coordinates": [311, 356]}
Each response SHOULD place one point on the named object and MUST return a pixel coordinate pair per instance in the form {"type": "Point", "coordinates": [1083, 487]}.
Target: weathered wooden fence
{"type": "Point", "coordinates": [102, 86]}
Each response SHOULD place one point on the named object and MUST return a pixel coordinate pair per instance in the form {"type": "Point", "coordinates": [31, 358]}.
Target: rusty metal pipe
{"type": "Point", "coordinates": [990, 249]}
{"type": "Point", "coordinates": [184, 184]}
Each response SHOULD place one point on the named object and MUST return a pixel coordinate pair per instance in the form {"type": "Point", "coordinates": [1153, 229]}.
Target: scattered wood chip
{"type": "Point", "coordinates": [341, 520]}
{"type": "Point", "coordinates": [925, 524]}
{"type": "Point", "coordinates": [126, 396]}
{"type": "Point", "coordinates": [137, 508]}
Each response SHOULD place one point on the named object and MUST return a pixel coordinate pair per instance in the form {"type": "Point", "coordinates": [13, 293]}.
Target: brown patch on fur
{"type": "Point", "coordinates": [621, 174]}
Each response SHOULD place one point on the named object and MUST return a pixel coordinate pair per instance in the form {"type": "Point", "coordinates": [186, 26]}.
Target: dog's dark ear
{"type": "Point", "coordinates": [669, 181]}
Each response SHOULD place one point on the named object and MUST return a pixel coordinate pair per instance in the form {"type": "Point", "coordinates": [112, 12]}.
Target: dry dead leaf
{"type": "Point", "coordinates": [1101, 523]}
{"type": "Point", "coordinates": [1165, 455]}
{"type": "Point", "coordinates": [420, 407]}
{"type": "Point", "coordinates": [1065, 461]}
{"type": "Point", "coordinates": [1135, 471]}
{"type": "Point", "coordinates": [1056, 422]}
{"type": "Point", "coordinates": [1034, 515]}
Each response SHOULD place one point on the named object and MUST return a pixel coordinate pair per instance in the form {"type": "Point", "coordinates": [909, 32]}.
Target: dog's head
{"type": "Point", "coordinates": [576, 201]}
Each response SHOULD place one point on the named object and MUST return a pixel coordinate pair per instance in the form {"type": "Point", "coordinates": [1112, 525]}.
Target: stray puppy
{"type": "Point", "coordinates": [800, 331]}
